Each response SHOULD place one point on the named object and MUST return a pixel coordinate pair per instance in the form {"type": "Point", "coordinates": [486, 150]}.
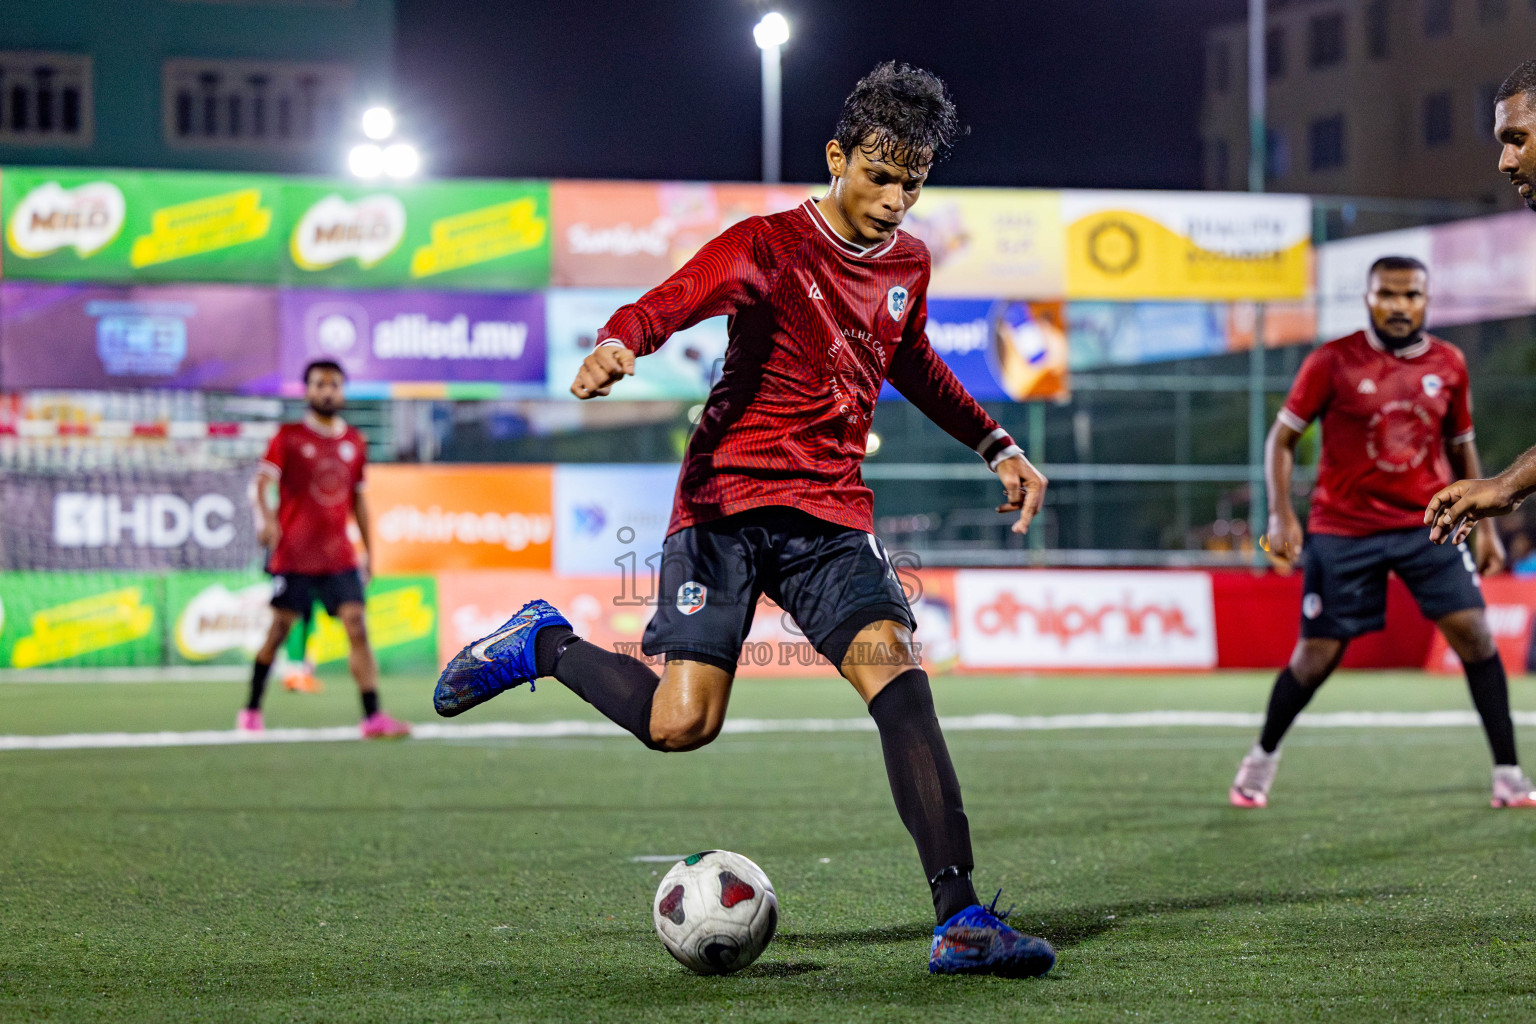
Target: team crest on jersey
{"type": "Point", "coordinates": [1433, 385]}
{"type": "Point", "coordinates": [347, 450]}
{"type": "Point", "coordinates": [307, 450]}
{"type": "Point", "coordinates": [691, 597]}
{"type": "Point", "coordinates": [1367, 387]}
{"type": "Point", "coordinates": [896, 302]}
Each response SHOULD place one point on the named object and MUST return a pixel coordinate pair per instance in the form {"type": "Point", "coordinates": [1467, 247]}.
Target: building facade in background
{"type": "Point", "coordinates": [1369, 97]}
{"type": "Point", "coordinates": [218, 84]}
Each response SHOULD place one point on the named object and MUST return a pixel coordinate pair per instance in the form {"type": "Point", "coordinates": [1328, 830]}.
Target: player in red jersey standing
{"type": "Point", "coordinates": [1396, 411]}
{"type": "Point", "coordinates": [317, 465]}
{"type": "Point", "coordinates": [826, 301]}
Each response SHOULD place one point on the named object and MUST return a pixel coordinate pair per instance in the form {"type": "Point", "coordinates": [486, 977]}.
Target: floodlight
{"type": "Point", "coordinates": [378, 123]}
{"type": "Point", "coordinates": [401, 160]}
{"type": "Point", "coordinates": [366, 160]}
{"type": "Point", "coordinates": [772, 31]}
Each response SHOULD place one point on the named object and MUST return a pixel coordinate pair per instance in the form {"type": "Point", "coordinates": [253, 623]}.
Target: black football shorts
{"type": "Point", "coordinates": [297, 592]}
{"type": "Point", "coordinates": [1345, 591]}
{"type": "Point", "coordinates": [830, 579]}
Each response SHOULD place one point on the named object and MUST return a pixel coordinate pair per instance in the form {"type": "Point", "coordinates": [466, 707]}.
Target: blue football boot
{"type": "Point", "coordinates": [495, 663]}
{"type": "Point", "coordinates": [976, 941]}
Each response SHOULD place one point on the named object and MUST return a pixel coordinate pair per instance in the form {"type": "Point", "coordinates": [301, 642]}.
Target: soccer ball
{"type": "Point", "coordinates": [715, 912]}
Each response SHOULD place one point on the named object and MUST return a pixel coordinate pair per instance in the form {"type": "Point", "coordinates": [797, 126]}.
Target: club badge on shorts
{"type": "Point", "coordinates": [691, 597]}
{"type": "Point", "coordinates": [896, 302]}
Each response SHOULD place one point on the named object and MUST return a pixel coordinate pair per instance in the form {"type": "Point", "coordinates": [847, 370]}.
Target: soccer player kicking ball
{"type": "Point", "coordinates": [1453, 511]}
{"type": "Point", "coordinates": [826, 302]}
{"type": "Point", "coordinates": [318, 467]}
{"type": "Point", "coordinates": [1396, 413]}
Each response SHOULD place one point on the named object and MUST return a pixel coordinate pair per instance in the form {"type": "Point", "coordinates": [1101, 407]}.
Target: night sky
{"type": "Point", "coordinates": [1089, 93]}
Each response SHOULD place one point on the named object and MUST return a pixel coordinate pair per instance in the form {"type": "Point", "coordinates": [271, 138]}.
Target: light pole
{"type": "Point", "coordinates": [771, 33]}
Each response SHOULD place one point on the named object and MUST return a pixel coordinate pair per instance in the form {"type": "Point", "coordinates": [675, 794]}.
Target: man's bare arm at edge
{"type": "Point", "coordinates": [1454, 510]}
{"type": "Point", "coordinates": [1285, 534]}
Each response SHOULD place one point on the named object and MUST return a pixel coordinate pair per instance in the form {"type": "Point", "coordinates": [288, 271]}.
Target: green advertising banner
{"type": "Point", "coordinates": [402, 625]}
{"type": "Point", "coordinates": [142, 226]}
{"type": "Point", "coordinates": [216, 618]}
{"type": "Point", "coordinates": [471, 235]}
{"type": "Point", "coordinates": [52, 619]}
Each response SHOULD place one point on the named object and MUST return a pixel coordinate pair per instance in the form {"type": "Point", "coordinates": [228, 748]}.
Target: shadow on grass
{"type": "Point", "coordinates": [884, 935]}
{"type": "Point", "coordinates": [762, 970]}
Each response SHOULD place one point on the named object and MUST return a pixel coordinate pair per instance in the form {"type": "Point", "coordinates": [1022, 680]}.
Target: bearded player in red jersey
{"type": "Point", "coordinates": [317, 465]}
{"type": "Point", "coordinates": [826, 301]}
{"type": "Point", "coordinates": [1396, 411]}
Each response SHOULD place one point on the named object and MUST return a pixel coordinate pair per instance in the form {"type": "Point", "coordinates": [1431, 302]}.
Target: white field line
{"type": "Point", "coordinates": [566, 729]}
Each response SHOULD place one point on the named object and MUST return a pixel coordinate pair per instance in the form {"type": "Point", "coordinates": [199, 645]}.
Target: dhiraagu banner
{"type": "Point", "coordinates": [1184, 245]}
{"type": "Point", "coordinates": [475, 235]}
{"type": "Point", "coordinates": [100, 225]}
{"type": "Point", "coordinates": [50, 619]}
{"type": "Point", "coordinates": [402, 624]}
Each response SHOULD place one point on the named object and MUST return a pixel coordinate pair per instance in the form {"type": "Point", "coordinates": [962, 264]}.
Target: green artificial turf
{"type": "Point", "coordinates": [437, 881]}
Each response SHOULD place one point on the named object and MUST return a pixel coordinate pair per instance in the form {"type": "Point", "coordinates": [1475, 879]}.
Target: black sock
{"type": "Point", "coordinates": [619, 686]}
{"type": "Point", "coordinates": [925, 787]}
{"type": "Point", "coordinates": [259, 672]}
{"type": "Point", "coordinates": [1285, 702]}
{"type": "Point", "coordinates": [1490, 694]}
{"type": "Point", "coordinates": [370, 703]}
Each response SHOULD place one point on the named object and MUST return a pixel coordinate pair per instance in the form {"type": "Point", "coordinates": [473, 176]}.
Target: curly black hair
{"type": "Point", "coordinates": [902, 114]}
{"type": "Point", "coordinates": [1520, 80]}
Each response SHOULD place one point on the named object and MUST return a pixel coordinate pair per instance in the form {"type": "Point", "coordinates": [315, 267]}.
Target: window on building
{"type": "Point", "coordinates": [252, 104]}
{"type": "Point", "coordinates": [1325, 40]}
{"type": "Point", "coordinates": [1492, 12]}
{"type": "Point", "coordinates": [1218, 164]}
{"type": "Point", "coordinates": [1220, 71]}
{"type": "Point", "coordinates": [1326, 138]}
{"type": "Point", "coordinates": [1378, 29]}
{"type": "Point", "coordinates": [1274, 53]}
{"type": "Point", "coordinates": [1439, 17]}
{"type": "Point", "coordinates": [1277, 154]}
{"type": "Point", "coordinates": [1482, 109]}
{"type": "Point", "coordinates": [45, 99]}
{"type": "Point", "coordinates": [1438, 129]}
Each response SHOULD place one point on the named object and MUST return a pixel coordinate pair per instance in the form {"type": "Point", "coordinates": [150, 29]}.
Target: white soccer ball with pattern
{"type": "Point", "coordinates": [715, 912]}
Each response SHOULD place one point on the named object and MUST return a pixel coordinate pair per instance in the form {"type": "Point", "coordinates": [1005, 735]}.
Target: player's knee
{"type": "Point", "coordinates": [675, 734]}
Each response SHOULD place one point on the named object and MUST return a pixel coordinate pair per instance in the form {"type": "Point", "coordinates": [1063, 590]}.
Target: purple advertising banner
{"type": "Point", "coordinates": [415, 337]}
{"type": "Point", "coordinates": [208, 336]}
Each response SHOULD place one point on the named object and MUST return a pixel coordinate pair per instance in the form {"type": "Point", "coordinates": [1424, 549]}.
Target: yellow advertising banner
{"type": "Point", "coordinates": [1183, 245]}
{"type": "Point", "coordinates": [991, 242]}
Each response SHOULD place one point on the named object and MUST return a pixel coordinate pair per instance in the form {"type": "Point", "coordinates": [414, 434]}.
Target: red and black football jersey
{"type": "Point", "coordinates": [816, 325]}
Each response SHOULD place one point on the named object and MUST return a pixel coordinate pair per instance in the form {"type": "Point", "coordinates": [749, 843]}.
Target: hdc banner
{"type": "Point", "coordinates": [130, 519]}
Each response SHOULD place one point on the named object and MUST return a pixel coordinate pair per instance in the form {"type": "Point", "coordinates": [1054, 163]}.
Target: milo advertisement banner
{"type": "Point", "coordinates": [50, 619]}
{"type": "Point", "coordinates": [222, 618]}
{"type": "Point", "coordinates": [476, 235]}
{"type": "Point", "coordinates": [100, 225]}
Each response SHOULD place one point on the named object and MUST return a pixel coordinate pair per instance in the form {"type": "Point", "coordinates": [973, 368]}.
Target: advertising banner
{"type": "Point", "coordinates": [100, 225]}
{"type": "Point", "coordinates": [1125, 333]}
{"type": "Point", "coordinates": [1168, 245]}
{"type": "Point", "coordinates": [402, 625]}
{"type": "Point", "coordinates": [414, 337]}
{"type": "Point", "coordinates": [207, 336]}
{"type": "Point", "coordinates": [1000, 349]}
{"type": "Point", "coordinates": [612, 612]}
{"type": "Point", "coordinates": [485, 235]}
{"type": "Point", "coordinates": [609, 519]}
{"type": "Point", "coordinates": [1030, 619]}
{"type": "Point", "coordinates": [1480, 269]}
{"type": "Point", "coordinates": [50, 619]}
{"type": "Point", "coordinates": [217, 618]}
{"type": "Point", "coordinates": [684, 368]}
{"type": "Point", "coordinates": [445, 517]}
{"type": "Point", "coordinates": [1511, 612]}
{"type": "Point", "coordinates": [614, 234]}
{"type": "Point", "coordinates": [127, 519]}
{"type": "Point", "coordinates": [987, 242]}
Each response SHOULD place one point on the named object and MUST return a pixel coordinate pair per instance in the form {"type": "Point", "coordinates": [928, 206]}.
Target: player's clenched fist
{"type": "Point", "coordinates": [1025, 486]}
{"type": "Point", "coordinates": [602, 369]}
{"type": "Point", "coordinates": [1282, 544]}
{"type": "Point", "coordinates": [1454, 509]}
